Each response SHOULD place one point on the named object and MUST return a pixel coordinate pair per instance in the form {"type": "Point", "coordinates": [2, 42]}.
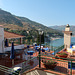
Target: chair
{"type": "Point", "coordinates": [49, 50]}
{"type": "Point", "coordinates": [43, 50]}
{"type": "Point", "coordinates": [38, 49]}
{"type": "Point", "coordinates": [71, 45]}
{"type": "Point", "coordinates": [27, 46]}
{"type": "Point", "coordinates": [53, 53]}
{"type": "Point", "coordinates": [73, 65]}
{"type": "Point", "coordinates": [35, 44]}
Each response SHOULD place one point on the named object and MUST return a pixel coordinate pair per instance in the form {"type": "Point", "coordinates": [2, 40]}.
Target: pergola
{"type": "Point", "coordinates": [9, 35]}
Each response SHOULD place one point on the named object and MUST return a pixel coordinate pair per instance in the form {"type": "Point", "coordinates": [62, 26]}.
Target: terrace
{"type": "Point", "coordinates": [37, 60]}
{"type": "Point", "coordinates": [31, 64]}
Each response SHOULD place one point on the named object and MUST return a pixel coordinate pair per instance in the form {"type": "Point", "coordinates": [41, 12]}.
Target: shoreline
{"type": "Point", "coordinates": [55, 38]}
{"type": "Point", "coordinates": [59, 38]}
{"type": "Point", "coordinates": [73, 36]}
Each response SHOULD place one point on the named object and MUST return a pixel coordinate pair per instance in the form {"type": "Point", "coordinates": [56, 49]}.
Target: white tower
{"type": "Point", "coordinates": [67, 36]}
{"type": "Point", "coordinates": [1, 39]}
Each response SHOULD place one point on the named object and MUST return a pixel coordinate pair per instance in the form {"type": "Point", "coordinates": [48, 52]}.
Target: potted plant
{"type": "Point", "coordinates": [56, 57]}
{"type": "Point", "coordinates": [49, 64]}
{"type": "Point", "coordinates": [62, 54]}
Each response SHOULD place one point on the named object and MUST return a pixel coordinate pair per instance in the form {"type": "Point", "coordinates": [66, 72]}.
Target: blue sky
{"type": "Point", "coordinates": [47, 12]}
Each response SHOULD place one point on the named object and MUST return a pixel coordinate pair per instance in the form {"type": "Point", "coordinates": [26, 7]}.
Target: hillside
{"type": "Point", "coordinates": [8, 18]}
{"type": "Point", "coordinates": [62, 28]}
{"type": "Point", "coordinates": [34, 25]}
{"type": "Point", "coordinates": [20, 25]}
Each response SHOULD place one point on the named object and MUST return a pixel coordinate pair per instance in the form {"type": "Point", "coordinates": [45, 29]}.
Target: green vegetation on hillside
{"type": "Point", "coordinates": [8, 18]}
{"type": "Point", "coordinates": [24, 26]}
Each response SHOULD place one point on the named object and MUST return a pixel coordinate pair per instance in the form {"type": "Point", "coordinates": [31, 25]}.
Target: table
{"type": "Point", "coordinates": [30, 52]}
{"type": "Point", "coordinates": [71, 50]}
{"type": "Point", "coordinates": [73, 46]}
{"type": "Point", "coordinates": [38, 48]}
{"type": "Point", "coordinates": [46, 49]}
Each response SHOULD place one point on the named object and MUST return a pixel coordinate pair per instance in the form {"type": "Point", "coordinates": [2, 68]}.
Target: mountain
{"type": "Point", "coordinates": [62, 28]}
{"type": "Point", "coordinates": [20, 25]}
{"type": "Point", "coordinates": [8, 18]}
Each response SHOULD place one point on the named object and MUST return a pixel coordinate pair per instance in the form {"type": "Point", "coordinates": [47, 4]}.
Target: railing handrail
{"type": "Point", "coordinates": [67, 60]}
{"type": "Point", "coordinates": [58, 58]}
{"type": "Point", "coordinates": [7, 69]}
{"type": "Point", "coordinates": [28, 60]}
{"type": "Point", "coordinates": [58, 49]}
{"type": "Point", "coordinates": [26, 67]}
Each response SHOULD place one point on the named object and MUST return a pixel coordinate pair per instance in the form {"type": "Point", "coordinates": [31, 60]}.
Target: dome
{"type": "Point", "coordinates": [67, 25]}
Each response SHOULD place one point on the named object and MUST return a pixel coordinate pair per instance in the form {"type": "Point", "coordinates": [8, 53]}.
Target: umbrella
{"type": "Point", "coordinates": [6, 43]}
{"type": "Point", "coordinates": [12, 53]}
{"type": "Point", "coordinates": [28, 47]}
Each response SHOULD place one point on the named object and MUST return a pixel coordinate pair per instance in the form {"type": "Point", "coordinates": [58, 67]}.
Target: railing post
{"type": "Point", "coordinates": [40, 54]}
{"type": "Point", "coordinates": [54, 51]}
{"type": "Point", "coordinates": [71, 67]}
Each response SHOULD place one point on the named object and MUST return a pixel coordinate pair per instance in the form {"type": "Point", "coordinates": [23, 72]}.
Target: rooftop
{"type": "Point", "coordinates": [12, 35]}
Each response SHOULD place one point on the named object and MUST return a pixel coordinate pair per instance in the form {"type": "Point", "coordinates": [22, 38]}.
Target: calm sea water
{"type": "Point", "coordinates": [59, 42]}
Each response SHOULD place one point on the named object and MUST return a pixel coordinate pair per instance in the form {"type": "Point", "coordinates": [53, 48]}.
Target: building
{"type": "Point", "coordinates": [67, 36]}
{"type": "Point", "coordinates": [1, 39]}
{"type": "Point", "coordinates": [8, 35]}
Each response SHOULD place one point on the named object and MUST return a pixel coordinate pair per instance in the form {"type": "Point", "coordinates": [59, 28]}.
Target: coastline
{"type": "Point", "coordinates": [59, 38]}
{"type": "Point", "coordinates": [73, 35]}
{"type": "Point", "coordinates": [54, 38]}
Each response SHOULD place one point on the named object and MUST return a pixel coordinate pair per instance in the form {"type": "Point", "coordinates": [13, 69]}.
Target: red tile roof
{"type": "Point", "coordinates": [11, 35]}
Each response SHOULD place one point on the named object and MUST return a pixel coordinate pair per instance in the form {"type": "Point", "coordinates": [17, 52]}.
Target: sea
{"type": "Point", "coordinates": [60, 42]}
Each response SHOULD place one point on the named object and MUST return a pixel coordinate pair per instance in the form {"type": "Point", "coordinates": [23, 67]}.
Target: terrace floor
{"type": "Point", "coordinates": [62, 66]}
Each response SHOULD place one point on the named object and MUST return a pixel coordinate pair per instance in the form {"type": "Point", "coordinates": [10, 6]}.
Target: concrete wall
{"type": "Point", "coordinates": [15, 47]}
{"type": "Point", "coordinates": [1, 39]}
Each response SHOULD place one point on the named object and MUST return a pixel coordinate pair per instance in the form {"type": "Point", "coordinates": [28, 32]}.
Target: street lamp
{"type": "Point", "coordinates": [40, 33]}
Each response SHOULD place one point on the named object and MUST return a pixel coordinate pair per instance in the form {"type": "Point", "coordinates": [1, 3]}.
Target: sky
{"type": "Point", "coordinates": [46, 12]}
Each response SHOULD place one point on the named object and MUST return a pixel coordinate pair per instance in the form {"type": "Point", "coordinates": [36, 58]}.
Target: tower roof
{"type": "Point", "coordinates": [67, 25]}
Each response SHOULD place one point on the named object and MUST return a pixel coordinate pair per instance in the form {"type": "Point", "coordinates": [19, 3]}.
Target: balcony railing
{"type": "Point", "coordinates": [29, 64]}
{"type": "Point", "coordinates": [7, 70]}
{"type": "Point", "coordinates": [58, 49]}
{"type": "Point", "coordinates": [64, 65]}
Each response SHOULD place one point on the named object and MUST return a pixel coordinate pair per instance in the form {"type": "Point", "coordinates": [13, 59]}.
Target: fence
{"type": "Point", "coordinates": [25, 66]}
{"type": "Point", "coordinates": [58, 49]}
{"type": "Point", "coordinates": [29, 64]}
{"type": "Point", "coordinates": [6, 70]}
{"type": "Point", "coordinates": [64, 65]}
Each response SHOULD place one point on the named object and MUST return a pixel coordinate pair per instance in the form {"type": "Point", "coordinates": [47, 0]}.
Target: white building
{"type": "Point", "coordinates": [67, 36]}
{"type": "Point", "coordinates": [8, 35]}
{"type": "Point", "coordinates": [1, 39]}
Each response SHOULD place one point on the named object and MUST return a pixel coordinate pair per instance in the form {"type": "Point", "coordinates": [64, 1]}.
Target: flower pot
{"type": "Point", "coordinates": [62, 56]}
{"type": "Point", "coordinates": [52, 66]}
